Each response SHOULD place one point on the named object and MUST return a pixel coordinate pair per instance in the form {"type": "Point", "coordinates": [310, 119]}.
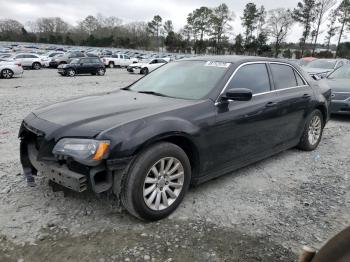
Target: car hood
{"type": "Point", "coordinates": [311, 70]}
{"type": "Point", "coordinates": [93, 114]}
{"type": "Point", "coordinates": [339, 85]}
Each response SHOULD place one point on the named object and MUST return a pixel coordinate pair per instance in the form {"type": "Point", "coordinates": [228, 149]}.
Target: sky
{"type": "Point", "coordinates": [134, 10]}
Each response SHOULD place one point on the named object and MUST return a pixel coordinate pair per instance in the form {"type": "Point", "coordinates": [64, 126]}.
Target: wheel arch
{"type": "Point", "coordinates": [324, 112]}
{"type": "Point", "coordinates": [182, 141]}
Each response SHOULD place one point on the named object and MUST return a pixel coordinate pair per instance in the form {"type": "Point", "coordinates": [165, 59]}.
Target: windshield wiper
{"type": "Point", "coordinates": [152, 93]}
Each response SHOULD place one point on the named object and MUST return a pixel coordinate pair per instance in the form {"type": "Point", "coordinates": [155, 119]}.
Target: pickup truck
{"type": "Point", "coordinates": [118, 60]}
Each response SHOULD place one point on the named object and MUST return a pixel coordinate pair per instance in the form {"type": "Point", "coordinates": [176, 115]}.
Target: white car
{"type": "Point", "coordinates": [118, 60]}
{"type": "Point", "coordinates": [33, 61]}
{"type": "Point", "coordinates": [146, 67]}
{"type": "Point", "coordinates": [10, 69]}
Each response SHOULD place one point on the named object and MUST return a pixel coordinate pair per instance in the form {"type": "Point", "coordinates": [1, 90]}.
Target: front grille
{"type": "Point", "coordinates": [340, 96]}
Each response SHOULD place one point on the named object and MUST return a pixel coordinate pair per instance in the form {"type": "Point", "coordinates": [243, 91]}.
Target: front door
{"type": "Point", "coordinates": [244, 129]}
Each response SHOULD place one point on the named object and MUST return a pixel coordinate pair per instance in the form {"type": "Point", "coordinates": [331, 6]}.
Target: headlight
{"type": "Point", "coordinates": [86, 151]}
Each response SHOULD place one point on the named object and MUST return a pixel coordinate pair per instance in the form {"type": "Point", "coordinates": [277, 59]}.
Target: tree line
{"type": "Point", "coordinates": [207, 30]}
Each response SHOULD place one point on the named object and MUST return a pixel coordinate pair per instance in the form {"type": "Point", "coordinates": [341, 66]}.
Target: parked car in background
{"type": "Point", "coordinates": [339, 81]}
{"type": "Point", "coordinates": [118, 60]}
{"type": "Point", "coordinates": [322, 67]}
{"type": "Point", "coordinates": [305, 60]}
{"type": "Point", "coordinates": [146, 67]}
{"type": "Point", "coordinates": [85, 65]}
{"type": "Point", "coordinates": [10, 69]}
{"type": "Point", "coordinates": [29, 60]}
{"type": "Point", "coordinates": [47, 57]}
{"type": "Point", "coordinates": [66, 58]}
{"type": "Point", "coordinates": [186, 123]}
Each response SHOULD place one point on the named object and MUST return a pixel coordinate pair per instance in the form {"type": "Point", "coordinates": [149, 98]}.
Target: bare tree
{"type": "Point", "coordinates": [10, 25]}
{"type": "Point", "coordinates": [332, 28]}
{"type": "Point", "coordinates": [278, 24]}
{"type": "Point", "coordinates": [343, 13]}
{"type": "Point", "coordinates": [322, 7]}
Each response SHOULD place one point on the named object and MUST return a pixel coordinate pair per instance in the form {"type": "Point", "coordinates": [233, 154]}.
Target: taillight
{"type": "Point", "coordinates": [104, 60]}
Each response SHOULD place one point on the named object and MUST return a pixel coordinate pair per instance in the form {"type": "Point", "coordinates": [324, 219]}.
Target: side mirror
{"type": "Point", "coordinates": [238, 94]}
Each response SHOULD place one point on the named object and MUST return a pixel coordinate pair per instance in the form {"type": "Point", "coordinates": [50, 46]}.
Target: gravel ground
{"type": "Point", "coordinates": [264, 212]}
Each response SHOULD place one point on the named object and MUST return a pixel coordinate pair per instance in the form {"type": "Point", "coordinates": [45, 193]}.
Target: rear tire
{"type": "Point", "coordinates": [7, 73]}
{"type": "Point", "coordinates": [168, 187]}
{"type": "Point", "coordinates": [36, 66]}
{"type": "Point", "coordinates": [312, 133]}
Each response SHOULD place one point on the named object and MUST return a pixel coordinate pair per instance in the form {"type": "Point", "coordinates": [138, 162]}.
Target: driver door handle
{"type": "Point", "coordinates": [306, 96]}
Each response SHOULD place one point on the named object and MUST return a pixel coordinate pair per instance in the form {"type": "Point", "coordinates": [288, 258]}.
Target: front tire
{"type": "Point", "coordinates": [312, 133]}
{"type": "Point", "coordinates": [156, 182]}
{"type": "Point", "coordinates": [111, 65]}
{"type": "Point", "coordinates": [144, 71]}
{"type": "Point", "coordinates": [70, 72]}
{"type": "Point", "coordinates": [7, 73]}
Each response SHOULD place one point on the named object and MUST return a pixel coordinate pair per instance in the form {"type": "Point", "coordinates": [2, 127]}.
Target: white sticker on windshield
{"type": "Point", "coordinates": [217, 64]}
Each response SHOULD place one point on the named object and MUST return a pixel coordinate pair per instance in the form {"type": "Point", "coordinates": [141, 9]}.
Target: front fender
{"type": "Point", "coordinates": [128, 139]}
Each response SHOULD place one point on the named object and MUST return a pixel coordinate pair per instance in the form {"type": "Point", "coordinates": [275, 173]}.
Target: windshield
{"type": "Point", "coordinates": [324, 64]}
{"type": "Point", "coordinates": [341, 73]}
{"type": "Point", "coordinates": [186, 79]}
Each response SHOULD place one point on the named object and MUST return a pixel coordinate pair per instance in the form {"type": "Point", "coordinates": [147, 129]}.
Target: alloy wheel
{"type": "Point", "coordinates": [7, 73]}
{"type": "Point", "coordinates": [71, 72]}
{"type": "Point", "coordinates": [315, 128]}
{"type": "Point", "coordinates": [163, 183]}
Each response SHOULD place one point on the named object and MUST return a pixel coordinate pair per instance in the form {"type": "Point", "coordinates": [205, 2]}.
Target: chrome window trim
{"type": "Point", "coordinates": [263, 93]}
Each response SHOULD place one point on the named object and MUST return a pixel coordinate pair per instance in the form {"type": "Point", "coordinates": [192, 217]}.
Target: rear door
{"type": "Point", "coordinates": [294, 95]}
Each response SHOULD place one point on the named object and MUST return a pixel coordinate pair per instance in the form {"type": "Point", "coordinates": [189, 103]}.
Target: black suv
{"type": "Point", "coordinates": [85, 65]}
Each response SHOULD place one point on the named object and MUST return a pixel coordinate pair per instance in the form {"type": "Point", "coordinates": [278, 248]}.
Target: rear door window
{"type": "Point", "coordinates": [254, 77]}
{"type": "Point", "coordinates": [283, 76]}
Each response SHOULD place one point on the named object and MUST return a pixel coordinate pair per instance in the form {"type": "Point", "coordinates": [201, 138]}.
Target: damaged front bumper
{"type": "Point", "coordinates": [36, 156]}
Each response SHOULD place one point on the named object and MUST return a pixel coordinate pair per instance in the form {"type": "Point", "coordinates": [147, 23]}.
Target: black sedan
{"type": "Point", "coordinates": [86, 65]}
{"type": "Point", "coordinates": [339, 81]}
{"type": "Point", "coordinates": [185, 123]}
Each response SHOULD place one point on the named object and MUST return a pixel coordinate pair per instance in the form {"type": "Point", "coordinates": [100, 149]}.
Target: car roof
{"type": "Point", "coordinates": [235, 59]}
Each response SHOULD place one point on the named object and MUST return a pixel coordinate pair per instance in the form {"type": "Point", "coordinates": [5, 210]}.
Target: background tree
{"type": "Point", "coordinates": [154, 27]}
{"type": "Point", "coordinates": [322, 7]}
{"type": "Point", "coordinates": [332, 28]}
{"type": "Point", "coordinates": [305, 15]}
{"type": "Point", "coordinates": [343, 12]}
{"type": "Point", "coordinates": [239, 45]}
{"type": "Point", "coordinates": [89, 24]}
{"type": "Point", "coordinates": [249, 21]}
{"type": "Point", "coordinates": [168, 26]}
{"type": "Point", "coordinates": [279, 22]}
{"type": "Point", "coordinates": [219, 21]}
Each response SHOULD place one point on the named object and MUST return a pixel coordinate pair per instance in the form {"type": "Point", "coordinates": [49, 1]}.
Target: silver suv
{"type": "Point", "coordinates": [29, 60]}
{"type": "Point", "coordinates": [66, 58]}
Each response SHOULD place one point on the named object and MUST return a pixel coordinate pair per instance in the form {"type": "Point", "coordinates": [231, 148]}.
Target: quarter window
{"type": "Point", "coordinates": [254, 77]}
{"type": "Point", "coordinates": [283, 76]}
{"type": "Point", "coordinates": [300, 81]}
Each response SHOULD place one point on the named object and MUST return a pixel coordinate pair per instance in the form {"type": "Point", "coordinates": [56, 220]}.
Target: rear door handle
{"type": "Point", "coordinates": [306, 96]}
{"type": "Point", "coordinates": [271, 104]}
